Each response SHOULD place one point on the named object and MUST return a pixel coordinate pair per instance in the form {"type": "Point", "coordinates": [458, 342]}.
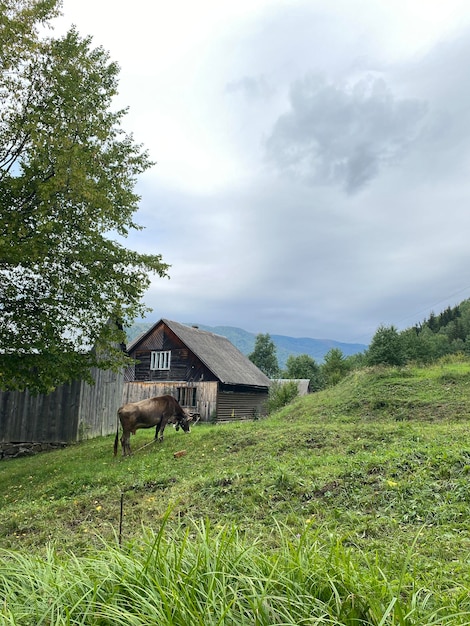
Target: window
{"type": "Point", "coordinates": [186, 396]}
{"type": "Point", "coordinates": [160, 360]}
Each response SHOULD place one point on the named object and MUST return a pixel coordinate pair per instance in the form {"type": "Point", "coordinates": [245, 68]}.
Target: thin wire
{"type": "Point", "coordinates": [426, 310]}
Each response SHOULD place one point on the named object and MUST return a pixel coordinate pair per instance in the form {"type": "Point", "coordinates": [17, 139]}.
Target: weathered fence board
{"type": "Point", "coordinates": [72, 412]}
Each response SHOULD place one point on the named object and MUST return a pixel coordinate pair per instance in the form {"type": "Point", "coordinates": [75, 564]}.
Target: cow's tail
{"type": "Point", "coordinates": [116, 439]}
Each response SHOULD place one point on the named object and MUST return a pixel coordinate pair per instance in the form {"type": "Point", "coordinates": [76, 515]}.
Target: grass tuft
{"type": "Point", "coordinates": [202, 575]}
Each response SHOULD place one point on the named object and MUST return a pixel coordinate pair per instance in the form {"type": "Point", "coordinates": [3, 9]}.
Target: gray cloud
{"type": "Point", "coordinates": [343, 135]}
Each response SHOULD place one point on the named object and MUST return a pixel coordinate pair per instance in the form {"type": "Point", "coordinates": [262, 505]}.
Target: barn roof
{"type": "Point", "coordinates": [217, 353]}
{"type": "Point", "coordinates": [303, 384]}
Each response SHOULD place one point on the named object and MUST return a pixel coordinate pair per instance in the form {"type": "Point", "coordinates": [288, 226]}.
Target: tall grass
{"type": "Point", "coordinates": [201, 575]}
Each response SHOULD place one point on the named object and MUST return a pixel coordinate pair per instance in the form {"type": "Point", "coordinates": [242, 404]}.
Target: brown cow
{"type": "Point", "coordinates": [156, 411]}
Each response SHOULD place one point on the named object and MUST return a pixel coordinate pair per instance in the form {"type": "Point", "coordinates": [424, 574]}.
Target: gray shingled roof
{"type": "Point", "coordinates": [302, 384]}
{"type": "Point", "coordinates": [218, 354]}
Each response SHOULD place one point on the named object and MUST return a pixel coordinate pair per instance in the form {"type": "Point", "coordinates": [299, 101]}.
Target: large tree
{"type": "Point", "coordinates": [264, 355]}
{"type": "Point", "coordinates": [335, 367]}
{"type": "Point", "coordinates": [303, 366]}
{"type": "Point", "coordinates": [67, 178]}
{"type": "Point", "coordinates": [386, 347]}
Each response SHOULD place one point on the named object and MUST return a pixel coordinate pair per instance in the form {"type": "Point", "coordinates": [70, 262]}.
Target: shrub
{"type": "Point", "coordinates": [281, 394]}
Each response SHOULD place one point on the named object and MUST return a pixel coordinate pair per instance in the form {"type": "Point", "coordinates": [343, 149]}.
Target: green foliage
{"type": "Point", "coordinates": [303, 366]}
{"type": "Point", "coordinates": [264, 355]}
{"type": "Point", "coordinates": [440, 335]}
{"type": "Point", "coordinates": [386, 347]}
{"type": "Point", "coordinates": [67, 177]}
{"type": "Point", "coordinates": [425, 346]}
{"type": "Point", "coordinates": [281, 394]}
{"type": "Point", "coordinates": [356, 361]}
{"type": "Point", "coordinates": [334, 368]}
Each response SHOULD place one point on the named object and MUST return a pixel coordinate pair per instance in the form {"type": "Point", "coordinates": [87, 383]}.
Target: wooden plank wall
{"type": "Point", "coordinates": [72, 412]}
{"type": "Point", "coordinates": [206, 394]}
{"type": "Point", "coordinates": [232, 406]}
{"type": "Point", "coordinates": [43, 418]}
{"type": "Point", "coordinates": [97, 415]}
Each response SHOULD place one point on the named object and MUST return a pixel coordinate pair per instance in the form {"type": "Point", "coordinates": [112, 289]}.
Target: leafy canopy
{"type": "Point", "coordinates": [335, 367]}
{"type": "Point", "coordinates": [67, 178]}
{"type": "Point", "coordinates": [281, 393]}
{"type": "Point", "coordinates": [386, 347]}
{"type": "Point", "coordinates": [304, 366]}
{"type": "Point", "coordinates": [264, 355]}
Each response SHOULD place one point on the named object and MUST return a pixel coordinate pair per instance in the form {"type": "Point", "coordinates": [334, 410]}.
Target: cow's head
{"type": "Point", "coordinates": [184, 422]}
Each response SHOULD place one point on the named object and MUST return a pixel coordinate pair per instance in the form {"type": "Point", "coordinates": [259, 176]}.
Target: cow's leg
{"type": "Point", "coordinates": [125, 442]}
{"type": "Point", "coordinates": [160, 428]}
{"type": "Point", "coordinates": [159, 433]}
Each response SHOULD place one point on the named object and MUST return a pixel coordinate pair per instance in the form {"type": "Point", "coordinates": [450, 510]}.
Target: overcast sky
{"type": "Point", "coordinates": [313, 157]}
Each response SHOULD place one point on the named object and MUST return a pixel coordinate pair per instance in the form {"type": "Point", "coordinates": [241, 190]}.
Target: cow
{"type": "Point", "coordinates": [147, 413]}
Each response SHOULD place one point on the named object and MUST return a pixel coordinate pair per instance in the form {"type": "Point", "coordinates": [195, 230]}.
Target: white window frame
{"type": "Point", "coordinates": [160, 360]}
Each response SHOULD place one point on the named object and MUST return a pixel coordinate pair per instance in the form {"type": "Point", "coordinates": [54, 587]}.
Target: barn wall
{"type": "Point", "coordinates": [70, 413]}
{"type": "Point", "coordinates": [233, 405]}
{"type": "Point", "coordinates": [41, 418]}
{"type": "Point", "coordinates": [206, 394]}
{"type": "Point", "coordinates": [99, 403]}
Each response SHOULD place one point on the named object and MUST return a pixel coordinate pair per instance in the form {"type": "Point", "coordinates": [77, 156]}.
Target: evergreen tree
{"type": "Point", "coordinates": [334, 368]}
{"type": "Point", "coordinates": [432, 322]}
{"type": "Point", "coordinates": [386, 347]}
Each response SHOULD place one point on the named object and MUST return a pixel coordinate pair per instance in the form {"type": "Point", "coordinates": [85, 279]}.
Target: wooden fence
{"type": "Point", "coordinates": [72, 412]}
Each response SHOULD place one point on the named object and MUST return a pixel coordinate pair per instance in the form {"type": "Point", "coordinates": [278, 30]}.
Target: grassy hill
{"type": "Point", "coordinates": [366, 485]}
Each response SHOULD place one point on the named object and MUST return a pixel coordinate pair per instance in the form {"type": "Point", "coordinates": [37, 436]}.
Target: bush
{"type": "Point", "coordinates": [281, 394]}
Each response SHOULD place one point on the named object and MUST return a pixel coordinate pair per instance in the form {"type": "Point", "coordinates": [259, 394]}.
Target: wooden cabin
{"type": "Point", "coordinates": [205, 372]}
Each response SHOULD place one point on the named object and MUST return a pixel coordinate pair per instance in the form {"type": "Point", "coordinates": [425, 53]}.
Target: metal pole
{"type": "Point", "coordinates": [120, 518]}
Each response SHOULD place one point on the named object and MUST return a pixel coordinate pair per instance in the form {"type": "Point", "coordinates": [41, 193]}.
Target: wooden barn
{"type": "Point", "coordinates": [203, 371]}
{"type": "Point", "coordinates": [73, 412]}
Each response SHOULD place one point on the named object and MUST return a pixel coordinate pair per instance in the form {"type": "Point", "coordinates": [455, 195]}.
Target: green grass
{"type": "Point", "coordinates": [349, 506]}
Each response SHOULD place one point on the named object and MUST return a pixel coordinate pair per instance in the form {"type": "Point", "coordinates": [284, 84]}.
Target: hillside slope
{"type": "Point", "coordinates": [354, 499]}
{"type": "Point", "coordinates": [376, 457]}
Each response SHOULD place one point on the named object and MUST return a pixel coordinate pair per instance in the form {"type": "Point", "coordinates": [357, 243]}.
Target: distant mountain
{"type": "Point", "coordinates": [285, 346]}
{"type": "Point", "coordinates": [137, 329]}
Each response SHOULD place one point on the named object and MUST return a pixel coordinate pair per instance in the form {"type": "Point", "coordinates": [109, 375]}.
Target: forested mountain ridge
{"type": "Point", "coordinates": [285, 345]}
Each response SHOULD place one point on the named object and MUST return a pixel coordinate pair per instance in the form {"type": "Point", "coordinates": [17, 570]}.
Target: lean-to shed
{"type": "Point", "coordinates": [205, 372]}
